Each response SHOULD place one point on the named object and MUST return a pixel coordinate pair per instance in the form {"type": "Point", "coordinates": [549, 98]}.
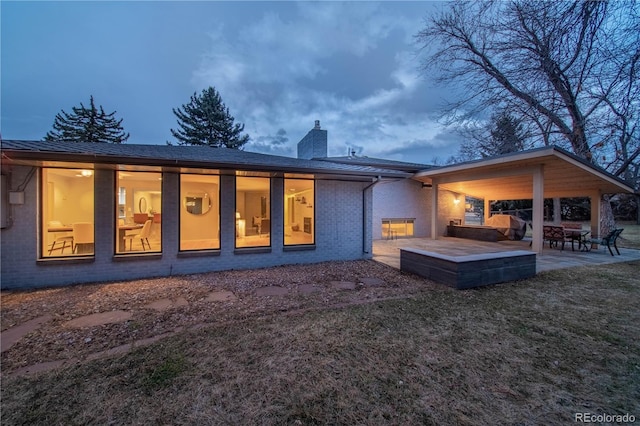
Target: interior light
{"type": "Point", "coordinates": [86, 173]}
{"type": "Point", "coordinates": [456, 201]}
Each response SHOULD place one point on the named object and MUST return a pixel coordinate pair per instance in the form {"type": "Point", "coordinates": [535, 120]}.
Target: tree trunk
{"type": "Point", "coordinates": [557, 211]}
{"type": "Point", "coordinates": [607, 221]}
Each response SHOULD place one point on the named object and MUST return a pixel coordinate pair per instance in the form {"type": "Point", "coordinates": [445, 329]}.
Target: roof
{"type": "Point", "coordinates": [176, 157]}
{"type": "Point", "coordinates": [378, 162]}
{"type": "Point", "coordinates": [510, 176]}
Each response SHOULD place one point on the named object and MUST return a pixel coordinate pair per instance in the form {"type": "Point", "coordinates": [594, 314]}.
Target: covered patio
{"type": "Point", "coordinates": [548, 172]}
{"type": "Point", "coordinates": [388, 252]}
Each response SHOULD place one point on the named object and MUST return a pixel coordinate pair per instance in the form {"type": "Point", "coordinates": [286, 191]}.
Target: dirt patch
{"type": "Point", "coordinates": [158, 306]}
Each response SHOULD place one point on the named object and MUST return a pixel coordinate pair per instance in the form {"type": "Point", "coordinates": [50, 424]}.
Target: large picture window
{"type": "Point", "coordinates": [139, 212]}
{"type": "Point", "coordinates": [397, 227]}
{"type": "Point", "coordinates": [253, 212]}
{"type": "Point", "coordinates": [67, 212]}
{"type": "Point", "coordinates": [299, 217]}
{"type": "Point", "coordinates": [199, 212]}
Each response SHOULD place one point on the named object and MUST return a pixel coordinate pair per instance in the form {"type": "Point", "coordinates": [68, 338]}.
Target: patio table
{"type": "Point", "coordinates": [578, 235]}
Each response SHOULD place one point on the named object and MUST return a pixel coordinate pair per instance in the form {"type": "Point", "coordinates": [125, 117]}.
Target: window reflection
{"type": "Point", "coordinates": [139, 212]}
{"type": "Point", "coordinates": [299, 217]}
{"type": "Point", "coordinates": [199, 212]}
{"type": "Point", "coordinates": [253, 212]}
{"type": "Point", "coordinates": [67, 212]}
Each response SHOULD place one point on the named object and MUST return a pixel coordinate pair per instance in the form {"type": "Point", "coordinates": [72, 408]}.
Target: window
{"type": "Point", "coordinates": [139, 212]}
{"type": "Point", "coordinates": [67, 212]}
{"type": "Point", "coordinates": [253, 212]}
{"type": "Point", "coordinates": [299, 217]}
{"type": "Point", "coordinates": [397, 227]}
{"type": "Point", "coordinates": [199, 212]}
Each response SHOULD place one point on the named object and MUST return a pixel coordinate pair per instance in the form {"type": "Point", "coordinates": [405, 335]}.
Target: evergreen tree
{"type": "Point", "coordinates": [87, 125]}
{"type": "Point", "coordinates": [205, 120]}
{"type": "Point", "coordinates": [506, 136]}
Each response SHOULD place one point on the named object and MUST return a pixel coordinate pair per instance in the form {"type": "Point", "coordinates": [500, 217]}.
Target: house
{"type": "Point", "coordinates": [401, 206]}
{"type": "Point", "coordinates": [91, 212]}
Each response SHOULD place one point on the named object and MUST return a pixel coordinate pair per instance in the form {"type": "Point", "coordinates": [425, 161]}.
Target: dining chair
{"type": "Point", "coordinates": [83, 236]}
{"type": "Point", "coordinates": [143, 235]}
{"type": "Point", "coordinates": [64, 238]}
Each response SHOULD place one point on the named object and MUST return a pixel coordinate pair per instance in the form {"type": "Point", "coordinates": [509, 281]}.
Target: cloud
{"type": "Point", "coordinates": [272, 144]}
{"type": "Point", "coordinates": [288, 68]}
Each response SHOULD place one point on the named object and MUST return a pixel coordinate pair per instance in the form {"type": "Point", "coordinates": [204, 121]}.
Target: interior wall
{"type": "Point", "coordinates": [72, 198]}
{"type": "Point", "coordinates": [204, 226]}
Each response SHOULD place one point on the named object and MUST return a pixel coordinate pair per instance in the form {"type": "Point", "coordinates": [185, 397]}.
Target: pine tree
{"type": "Point", "coordinates": [87, 125]}
{"type": "Point", "coordinates": [205, 120]}
{"type": "Point", "coordinates": [506, 136]}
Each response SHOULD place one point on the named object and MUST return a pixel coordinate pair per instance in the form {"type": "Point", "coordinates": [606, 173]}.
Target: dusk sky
{"type": "Point", "coordinates": [277, 65]}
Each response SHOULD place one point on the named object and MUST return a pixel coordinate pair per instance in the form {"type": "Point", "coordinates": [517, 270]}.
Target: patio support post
{"type": "Point", "coordinates": [596, 198]}
{"type": "Point", "coordinates": [538, 209]}
{"type": "Point", "coordinates": [434, 210]}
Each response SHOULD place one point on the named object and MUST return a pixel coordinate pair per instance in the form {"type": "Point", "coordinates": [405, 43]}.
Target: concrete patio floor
{"type": "Point", "coordinates": [388, 252]}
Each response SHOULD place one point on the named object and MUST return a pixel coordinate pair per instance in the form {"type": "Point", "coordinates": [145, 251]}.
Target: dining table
{"type": "Point", "coordinates": [122, 231]}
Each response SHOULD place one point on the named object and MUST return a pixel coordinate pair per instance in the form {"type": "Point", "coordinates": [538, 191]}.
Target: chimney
{"type": "Point", "coordinates": [314, 144]}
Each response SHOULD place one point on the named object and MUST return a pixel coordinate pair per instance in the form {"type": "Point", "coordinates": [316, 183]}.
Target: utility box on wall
{"type": "Point", "coordinates": [4, 202]}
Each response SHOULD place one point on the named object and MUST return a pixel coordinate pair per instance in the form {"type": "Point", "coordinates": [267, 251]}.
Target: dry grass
{"type": "Point", "coordinates": [532, 352]}
{"type": "Point", "coordinates": [630, 237]}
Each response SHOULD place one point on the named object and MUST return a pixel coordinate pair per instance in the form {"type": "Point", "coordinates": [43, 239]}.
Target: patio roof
{"type": "Point", "coordinates": [510, 177]}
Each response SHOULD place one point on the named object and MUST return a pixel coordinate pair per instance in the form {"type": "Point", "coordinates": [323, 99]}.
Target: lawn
{"type": "Point", "coordinates": [630, 237]}
{"type": "Point", "coordinates": [532, 352]}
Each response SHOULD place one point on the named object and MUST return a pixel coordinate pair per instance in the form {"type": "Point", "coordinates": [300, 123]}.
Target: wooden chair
{"type": "Point", "coordinates": [265, 226]}
{"type": "Point", "coordinates": [64, 238]}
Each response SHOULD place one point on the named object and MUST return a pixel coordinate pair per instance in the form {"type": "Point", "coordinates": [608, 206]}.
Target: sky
{"type": "Point", "coordinates": [278, 67]}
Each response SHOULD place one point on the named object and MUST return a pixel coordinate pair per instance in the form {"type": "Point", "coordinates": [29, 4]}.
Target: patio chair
{"type": "Point", "coordinates": [608, 240]}
{"type": "Point", "coordinates": [554, 235]}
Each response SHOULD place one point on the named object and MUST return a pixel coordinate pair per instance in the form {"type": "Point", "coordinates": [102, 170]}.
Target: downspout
{"type": "Point", "coordinates": [364, 213]}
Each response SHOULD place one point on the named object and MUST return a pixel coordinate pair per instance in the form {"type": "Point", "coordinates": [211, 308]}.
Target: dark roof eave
{"type": "Point", "coordinates": [178, 163]}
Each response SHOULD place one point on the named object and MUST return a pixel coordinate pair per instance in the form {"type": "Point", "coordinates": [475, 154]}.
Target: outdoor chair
{"type": "Point", "coordinates": [608, 240]}
{"type": "Point", "coordinates": [554, 235]}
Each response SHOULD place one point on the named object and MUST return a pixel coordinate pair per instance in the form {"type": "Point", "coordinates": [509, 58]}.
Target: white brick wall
{"type": "Point", "coordinates": [404, 198]}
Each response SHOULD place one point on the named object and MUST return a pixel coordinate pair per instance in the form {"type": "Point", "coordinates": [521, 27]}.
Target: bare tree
{"type": "Point", "coordinates": [569, 69]}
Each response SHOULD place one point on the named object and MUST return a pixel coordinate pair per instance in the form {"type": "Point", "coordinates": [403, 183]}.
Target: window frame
{"type": "Point", "coordinates": [42, 241]}
{"type": "Point", "coordinates": [259, 248]}
{"type": "Point", "coordinates": [195, 251]}
{"type": "Point", "coordinates": [284, 218]}
{"type": "Point", "coordinates": [116, 214]}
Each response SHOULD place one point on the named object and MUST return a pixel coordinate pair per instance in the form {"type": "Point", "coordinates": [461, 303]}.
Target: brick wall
{"type": "Point", "coordinates": [342, 232]}
{"type": "Point", "coordinates": [313, 145]}
{"type": "Point", "coordinates": [404, 198]}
